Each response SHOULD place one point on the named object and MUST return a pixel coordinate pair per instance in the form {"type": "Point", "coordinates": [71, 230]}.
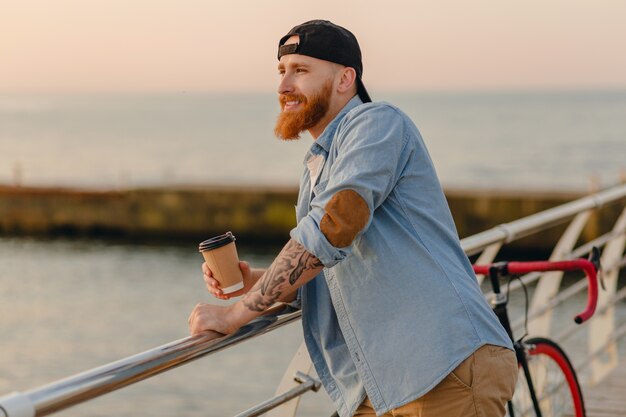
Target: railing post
{"type": "Point", "coordinates": [549, 283]}
{"type": "Point", "coordinates": [601, 329]}
{"type": "Point", "coordinates": [301, 362]}
{"type": "Point", "coordinates": [305, 383]}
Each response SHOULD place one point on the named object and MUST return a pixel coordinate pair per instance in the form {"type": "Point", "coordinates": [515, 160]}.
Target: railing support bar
{"type": "Point", "coordinates": [307, 383]}
{"type": "Point", "coordinates": [618, 334]}
{"type": "Point", "coordinates": [550, 282]}
{"type": "Point", "coordinates": [604, 324]}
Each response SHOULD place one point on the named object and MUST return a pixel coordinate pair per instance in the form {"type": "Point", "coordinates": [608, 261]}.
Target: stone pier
{"type": "Point", "coordinates": [253, 214]}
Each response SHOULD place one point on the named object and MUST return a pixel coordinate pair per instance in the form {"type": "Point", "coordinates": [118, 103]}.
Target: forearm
{"type": "Point", "coordinates": [257, 273]}
{"type": "Point", "coordinates": [291, 269]}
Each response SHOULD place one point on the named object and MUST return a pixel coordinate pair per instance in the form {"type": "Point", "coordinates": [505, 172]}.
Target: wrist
{"type": "Point", "coordinates": [237, 315]}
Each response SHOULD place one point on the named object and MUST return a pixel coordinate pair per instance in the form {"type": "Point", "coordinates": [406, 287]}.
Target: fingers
{"type": "Point", "coordinates": [206, 271]}
{"type": "Point", "coordinates": [193, 321]}
{"type": "Point", "coordinates": [219, 294]}
{"type": "Point", "coordinates": [212, 285]}
{"type": "Point", "coordinates": [207, 317]}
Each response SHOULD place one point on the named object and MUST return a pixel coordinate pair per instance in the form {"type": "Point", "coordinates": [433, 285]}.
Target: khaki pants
{"type": "Point", "coordinates": [479, 387]}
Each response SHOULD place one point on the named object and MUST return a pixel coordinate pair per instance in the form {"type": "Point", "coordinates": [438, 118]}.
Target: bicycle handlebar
{"type": "Point", "coordinates": [589, 267]}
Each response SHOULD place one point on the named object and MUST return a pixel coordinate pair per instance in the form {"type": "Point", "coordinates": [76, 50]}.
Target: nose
{"type": "Point", "coordinates": [286, 84]}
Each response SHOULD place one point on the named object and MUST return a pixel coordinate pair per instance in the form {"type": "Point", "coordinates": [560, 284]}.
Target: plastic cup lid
{"type": "Point", "coordinates": [216, 242]}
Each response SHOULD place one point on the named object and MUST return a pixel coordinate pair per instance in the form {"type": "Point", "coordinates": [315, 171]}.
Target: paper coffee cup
{"type": "Point", "coordinates": [220, 254]}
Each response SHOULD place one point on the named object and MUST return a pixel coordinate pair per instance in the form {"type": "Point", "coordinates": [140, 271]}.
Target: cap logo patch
{"type": "Point", "coordinates": [346, 215]}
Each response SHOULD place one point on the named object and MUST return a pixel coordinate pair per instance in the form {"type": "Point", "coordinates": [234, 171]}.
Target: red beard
{"type": "Point", "coordinates": [291, 123]}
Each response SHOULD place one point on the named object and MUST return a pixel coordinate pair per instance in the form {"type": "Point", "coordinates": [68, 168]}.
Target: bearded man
{"type": "Point", "coordinates": [392, 314]}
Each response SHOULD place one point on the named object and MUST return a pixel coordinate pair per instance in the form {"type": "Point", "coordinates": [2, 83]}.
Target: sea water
{"type": "Point", "coordinates": [546, 140]}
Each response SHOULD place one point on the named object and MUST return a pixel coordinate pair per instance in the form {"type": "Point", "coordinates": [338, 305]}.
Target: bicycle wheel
{"type": "Point", "coordinates": [554, 380]}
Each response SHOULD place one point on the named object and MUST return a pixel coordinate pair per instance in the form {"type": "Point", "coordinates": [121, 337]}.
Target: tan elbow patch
{"type": "Point", "coordinates": [346, 215]}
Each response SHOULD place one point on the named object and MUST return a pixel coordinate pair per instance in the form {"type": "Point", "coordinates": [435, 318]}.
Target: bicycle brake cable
{"type": "Point", "coordinates": [508, 289]}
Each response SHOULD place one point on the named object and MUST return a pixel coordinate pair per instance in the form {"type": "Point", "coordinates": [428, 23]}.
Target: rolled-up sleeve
{"type": "Point", "coordinates": [370, 144]}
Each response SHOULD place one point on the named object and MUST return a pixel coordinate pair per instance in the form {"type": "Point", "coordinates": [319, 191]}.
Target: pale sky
{"type": "Point", "coordinates": [201, 46]}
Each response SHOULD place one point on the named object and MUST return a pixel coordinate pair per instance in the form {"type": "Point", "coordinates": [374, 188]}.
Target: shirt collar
{"type": "Point", "coordinates": [326, 138]}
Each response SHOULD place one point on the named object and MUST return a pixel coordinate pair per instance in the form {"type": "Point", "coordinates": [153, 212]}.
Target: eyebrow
{"type": "Point", "coordinates": [293, 65]}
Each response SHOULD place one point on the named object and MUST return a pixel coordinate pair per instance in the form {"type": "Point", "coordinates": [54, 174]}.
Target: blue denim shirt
{"type": "Point", "coordinates": [399, 308]}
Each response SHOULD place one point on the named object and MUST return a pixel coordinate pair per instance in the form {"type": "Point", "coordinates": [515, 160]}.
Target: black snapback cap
{"type": "Point", "coordinates": [325, 40]}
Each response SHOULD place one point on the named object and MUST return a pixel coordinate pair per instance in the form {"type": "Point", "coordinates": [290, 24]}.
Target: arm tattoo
{"type": "Point", "coordinates": [289, 266]}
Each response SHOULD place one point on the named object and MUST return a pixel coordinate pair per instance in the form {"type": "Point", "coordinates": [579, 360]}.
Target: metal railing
{"type": "Point", "coordinates": [110, 377]}
{"type": "Point", "coordinates": [307, 383]}
{"type": "Point", "coordinates": [96, 382]}
{"type": "Point", "coordinates": [508, 232]}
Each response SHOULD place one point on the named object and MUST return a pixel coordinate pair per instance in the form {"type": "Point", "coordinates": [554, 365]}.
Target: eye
{"type": "Point", "coordinates": [299, 70]}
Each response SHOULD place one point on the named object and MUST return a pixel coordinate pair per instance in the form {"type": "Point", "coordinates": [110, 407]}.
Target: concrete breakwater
{"type": "Point", "coordinates": [253, 214]}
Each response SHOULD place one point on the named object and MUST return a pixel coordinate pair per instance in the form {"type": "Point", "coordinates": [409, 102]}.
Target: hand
{"type": "Point", "coordinates": [214, 287]}
{"type": "Point", "coordinates": [205, 317]}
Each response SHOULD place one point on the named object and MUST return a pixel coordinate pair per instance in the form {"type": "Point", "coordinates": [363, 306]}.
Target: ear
{"type": "Point", "coordinates": [347, 80]}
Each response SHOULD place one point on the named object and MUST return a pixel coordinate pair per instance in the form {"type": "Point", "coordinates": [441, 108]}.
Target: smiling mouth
{"type": "Point", "coordinates": [291, 104]}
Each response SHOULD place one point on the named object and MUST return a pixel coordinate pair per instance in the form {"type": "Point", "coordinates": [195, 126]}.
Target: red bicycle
{"type": "Point", "coordinates": [547, 385]}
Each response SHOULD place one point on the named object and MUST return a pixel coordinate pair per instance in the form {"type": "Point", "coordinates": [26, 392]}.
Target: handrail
{"type": "Point", "coordinates": [525, 226]}
{"type": "Point", "coordinates": [93, 383]}
{"type": "Point", "coordinates": [90, 384]}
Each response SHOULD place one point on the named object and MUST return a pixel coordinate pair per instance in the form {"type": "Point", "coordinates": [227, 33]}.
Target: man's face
{"type": "Point", "coordinates": [304, 93]}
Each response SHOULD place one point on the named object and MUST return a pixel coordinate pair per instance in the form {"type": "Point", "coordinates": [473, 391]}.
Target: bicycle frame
{"type": "Point", "coordinates": [499, 302]}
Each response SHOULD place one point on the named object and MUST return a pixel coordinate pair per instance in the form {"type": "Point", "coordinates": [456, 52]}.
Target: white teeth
{"type": "Point", "coordinates": [292, 103]}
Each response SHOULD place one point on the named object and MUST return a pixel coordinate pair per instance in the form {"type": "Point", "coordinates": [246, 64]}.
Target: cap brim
{"type": "Point", "coordinates": [362, 92]}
